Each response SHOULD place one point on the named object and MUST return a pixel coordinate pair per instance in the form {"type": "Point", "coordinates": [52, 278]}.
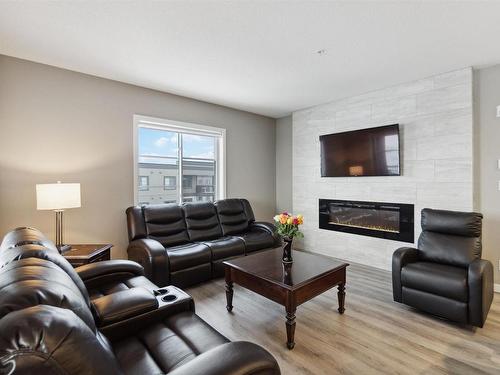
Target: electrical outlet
{"type": "Point", "coordinates": [498, 111]}
{"type": "Point", "coordinates": [499, 264]}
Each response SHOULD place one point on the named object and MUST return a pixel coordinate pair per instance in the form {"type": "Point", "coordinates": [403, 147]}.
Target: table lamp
{"type": "Point", "coordinates": [58, 197]}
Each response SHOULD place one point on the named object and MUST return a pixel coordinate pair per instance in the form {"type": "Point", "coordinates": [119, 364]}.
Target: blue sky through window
{"type": "Point", "coordinates": [155, 144]}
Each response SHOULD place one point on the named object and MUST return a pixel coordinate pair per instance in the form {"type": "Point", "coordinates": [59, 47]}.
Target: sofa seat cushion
{"type": "Point", "coordinates": [257, 240]}
{"type": "Point", "coordinates": [440, 279]}
{"type": "Point", "coordinates": [188, 255]}
{"type": "Point", "coordinates": [226, 247]}
{"type": "Point", "coordinates": [113, 287]}
{"type": "Point", "coordinates": [166, 345]}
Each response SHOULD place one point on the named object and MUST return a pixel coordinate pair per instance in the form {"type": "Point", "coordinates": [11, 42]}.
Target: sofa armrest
{"type": "Point", "coordinates": [101, 273]}
{"type": "Point", "coordinates": [144, 312]}
{"type": "Point", "coordinates": [480, 280]}
{"type": "Point", "coordinates": [116, 307]}
{"type": "Point", "coordinates": [268, 227]}
{"type": "Point", "coordinates": [151, 255]}
{"type": "Point", "coordinates": [232, 358]}
{"type": "Point", "coordinates": [400, 258]}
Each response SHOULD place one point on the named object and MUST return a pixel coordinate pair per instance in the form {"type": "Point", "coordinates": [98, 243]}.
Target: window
{"type": "Point", "coordinates": [169, 182]}
{"type": "Point", "coordinates": [178, 162]}
{"type": "Point", "coordinates": [204, 180]}
{"type": "Point", "coordinates": [143, 183]}
{"type": "Point", "coordinates": [187, 182]}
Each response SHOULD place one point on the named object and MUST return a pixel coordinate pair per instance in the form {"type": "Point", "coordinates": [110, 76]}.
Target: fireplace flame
{"type": "Point", "coordinates": [381, 228]}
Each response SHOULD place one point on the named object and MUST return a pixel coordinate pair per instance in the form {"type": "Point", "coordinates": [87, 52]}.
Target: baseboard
{"type": "Point", "coordinates": [496, 288]}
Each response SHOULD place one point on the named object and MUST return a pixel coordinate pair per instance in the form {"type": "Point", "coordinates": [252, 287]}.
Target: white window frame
{"type": "Point", "coordinates": [189, 128]}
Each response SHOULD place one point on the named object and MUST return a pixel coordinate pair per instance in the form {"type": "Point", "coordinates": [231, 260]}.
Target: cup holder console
{"type": "Point", "coordinates": [170, 294]}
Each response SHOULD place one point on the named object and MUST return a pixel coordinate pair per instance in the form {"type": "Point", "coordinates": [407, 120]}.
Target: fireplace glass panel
{"type": "Point", "coordinates": [384, 219]}
{"type": "Point", "coordinates": [392, 221]}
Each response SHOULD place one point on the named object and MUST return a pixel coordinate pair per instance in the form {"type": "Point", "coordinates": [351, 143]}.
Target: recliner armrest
{"type": "Point", "coordinates": [232, 358]}
{"type": "Point", "coordinates": [480, 280]}
{"type": "Point", "coordinates": [151, 255]}
{"type": "Point", "coordinates": [122, 305]}
{"type": "Point", "coordinates": [145, 311]}
{"type": "Point", "coordinates": [400, 258]}
{"type": "Point", "coordinates": [268, 227]}
{"type": "Point", "coordinates": [100, 273]}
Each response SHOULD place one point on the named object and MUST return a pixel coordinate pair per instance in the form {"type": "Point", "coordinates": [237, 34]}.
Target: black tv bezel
{"type": "Point", "coordinates": [359, 131]}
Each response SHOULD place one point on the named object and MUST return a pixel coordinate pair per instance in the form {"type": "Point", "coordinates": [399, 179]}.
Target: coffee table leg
{"type": "Point", "coordinates": [229, 295]}
{"type": "Point", "coordinates": [290, 328]}
{"type": "Point", "coordinates": [341, 296]}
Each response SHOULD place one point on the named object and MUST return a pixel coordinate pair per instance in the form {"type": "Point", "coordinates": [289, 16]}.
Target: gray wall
{"type": "Point", "coordinates": [435, 116]}
{"type": "Point", "coordinates": [61, 125]}
{"type": "Point", "coordinates": [487, 97]}
{"type": "Point", "coordinates": [284, 154]}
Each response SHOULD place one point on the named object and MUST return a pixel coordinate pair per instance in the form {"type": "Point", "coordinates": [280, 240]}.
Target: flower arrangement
{"type": "Point", "coordinates": [287, 225]}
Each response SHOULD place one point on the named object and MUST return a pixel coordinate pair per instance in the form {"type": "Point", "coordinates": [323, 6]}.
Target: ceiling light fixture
{"type": "Point", "coordinates": [321, 52]}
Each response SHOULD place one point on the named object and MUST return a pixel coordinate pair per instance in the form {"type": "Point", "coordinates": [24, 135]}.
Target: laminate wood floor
{"type": "Point", "coordinates": [374, 336]}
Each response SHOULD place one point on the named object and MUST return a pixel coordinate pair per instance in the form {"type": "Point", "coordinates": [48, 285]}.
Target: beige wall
{"type": "Point", "coordinates": [284, 164]}
{"type": "Point", "coordinates": [61, 125]}
{"type": "Point", "coordinates": [487, 98]}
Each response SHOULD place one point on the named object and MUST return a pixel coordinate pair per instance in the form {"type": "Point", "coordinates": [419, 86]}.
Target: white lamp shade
{"type": "Point", "coordinates": [57, 196]}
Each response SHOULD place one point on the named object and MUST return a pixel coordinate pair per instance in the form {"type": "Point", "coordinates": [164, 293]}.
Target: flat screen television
{"type": "Point", "coordinates": [365, 152]}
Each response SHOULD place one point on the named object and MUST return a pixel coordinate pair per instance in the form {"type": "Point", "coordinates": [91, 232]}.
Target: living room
{"type": "Point", "coordinates": [236, 193]}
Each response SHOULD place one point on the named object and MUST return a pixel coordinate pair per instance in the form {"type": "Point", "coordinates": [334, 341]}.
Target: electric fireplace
{"type": "Point", "coordinates": [393, 221]}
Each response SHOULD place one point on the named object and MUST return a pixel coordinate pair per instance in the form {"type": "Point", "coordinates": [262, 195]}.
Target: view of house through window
{"type": "Point", "coordinates": [177, 164]}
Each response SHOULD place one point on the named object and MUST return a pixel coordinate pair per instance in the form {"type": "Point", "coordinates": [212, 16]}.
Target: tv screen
{"type": "Point", "coordinates": [366, 152]}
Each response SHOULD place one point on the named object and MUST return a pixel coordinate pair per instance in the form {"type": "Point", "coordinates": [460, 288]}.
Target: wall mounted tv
{"type": "Point", "coordinates": [365, 152]}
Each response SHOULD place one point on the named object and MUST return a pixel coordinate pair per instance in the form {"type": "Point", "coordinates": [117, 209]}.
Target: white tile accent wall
{"type": "Point", "coordinates": [436, 122]}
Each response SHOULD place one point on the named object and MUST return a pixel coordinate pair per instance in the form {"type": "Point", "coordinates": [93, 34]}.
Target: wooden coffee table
{"type": "Point", "coordinates": [289, 285]}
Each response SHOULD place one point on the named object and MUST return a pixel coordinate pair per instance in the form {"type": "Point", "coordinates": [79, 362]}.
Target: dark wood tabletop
{"type": "Point", "coordinates": [305, 267]}
{"type": "Point", "coordinates": [287, 284]}
{"type": "Point", "coordinates": [81, 254]}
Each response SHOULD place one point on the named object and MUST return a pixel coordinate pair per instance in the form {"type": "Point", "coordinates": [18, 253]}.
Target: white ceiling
{"type": "Point", "coordinates": [258, 56]}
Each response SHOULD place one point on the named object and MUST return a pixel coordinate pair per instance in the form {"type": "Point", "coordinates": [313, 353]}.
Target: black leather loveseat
{"type": "Point", "coordinates": [446, 276]}
{"type": "Point", "coordinates": [50, 325]}
{"type": "Point", "coordinates": [186, 244]}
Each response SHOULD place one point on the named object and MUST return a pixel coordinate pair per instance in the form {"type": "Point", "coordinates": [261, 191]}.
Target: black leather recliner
{"type": "Point", "coordinates": [50, 325]}
{"type": "Point", "coordinates": [446, 276]}
{"type": "Point", "coordinates": [185, 245]}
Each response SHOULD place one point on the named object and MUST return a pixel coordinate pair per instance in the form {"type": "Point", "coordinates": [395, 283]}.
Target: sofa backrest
{"type": "Point", "coordinates": [136, 226]}
{"type": "Point", "coordinates": [234, 215]}
{"type": "Point", "coordinates": [165, 223]}
{"type": "Point", "coordinates": [33, 281]}
{"type": "Point", "coordinates": [45, 314]}
{"type": "Point", "coordinates": [450, 237]}
{"type": "Point", "coordinates": [47, 340]}
{"type": "Point", "coordinates": [202, 221]}
{"type": "Point", "coordinates": [25, 236]}
{"type": "Point", "coordinates": [171, 224]}
{"type": "Point", "coordinates": [22, 243]}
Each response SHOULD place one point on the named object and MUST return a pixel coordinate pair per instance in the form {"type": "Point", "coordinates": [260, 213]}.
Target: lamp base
{"type": "Point", "coordinates": [63, 248]}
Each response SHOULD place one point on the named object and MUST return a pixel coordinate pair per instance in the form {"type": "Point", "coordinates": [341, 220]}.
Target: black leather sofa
{"type": "Point", "coordinates": [446, 276]}
{"type": "Point", "coordinates": [185, 245]}
{"type": "Point", "coordinates": [50, 325]}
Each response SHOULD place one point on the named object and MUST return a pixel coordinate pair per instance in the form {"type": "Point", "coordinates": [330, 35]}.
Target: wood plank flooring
{"type": "Point", "coordinates": [374, 336]}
